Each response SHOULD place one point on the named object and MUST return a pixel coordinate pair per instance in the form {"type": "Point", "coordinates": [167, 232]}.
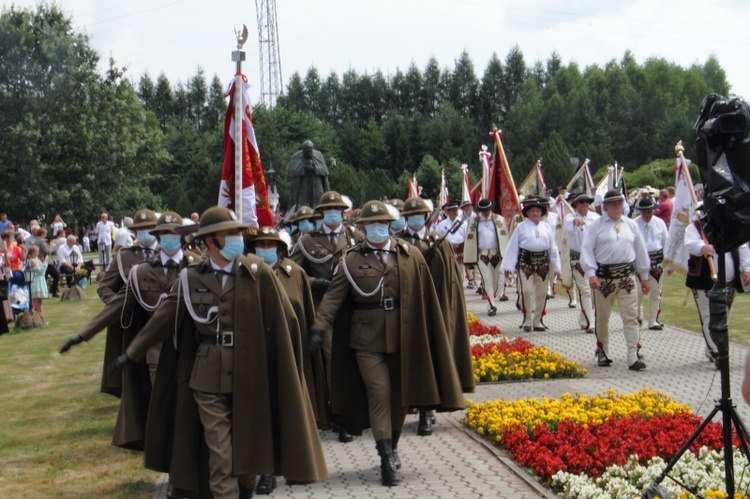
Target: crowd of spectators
{"type": "Point", "coordinates": [50, 254]}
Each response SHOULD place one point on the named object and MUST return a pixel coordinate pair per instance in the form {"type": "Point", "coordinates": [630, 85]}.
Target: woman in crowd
{"type": "Point", "coordinates": [58, 226]}
{"type": "Point", "coordinates": [39, 284]}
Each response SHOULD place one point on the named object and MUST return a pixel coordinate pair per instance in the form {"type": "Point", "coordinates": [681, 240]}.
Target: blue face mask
{"type": "Point", "coordinates": [332, 218]}
{"type": "Point", "coordinates": [305, 226]}
{"type": "Point", "coordinates": [398, 224]}
{"type": "Point", "coordinates": [145, 239]}
{"type": "Point", "coordinates": [170, 243]}
{"type": "Point", "coordinates": [377, 233]}
{"type": "Point", "coordinates": [416, 222]}
{"type": "Point", "coordinates": [269, 255]}
{"type": "Point", "coordinates": [319, 223]}
{"type": "Point", "coordinates": [233, 247]}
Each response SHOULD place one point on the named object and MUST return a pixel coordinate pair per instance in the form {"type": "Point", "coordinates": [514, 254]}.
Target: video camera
{"type": "Point", "coordinates": [723, 146]}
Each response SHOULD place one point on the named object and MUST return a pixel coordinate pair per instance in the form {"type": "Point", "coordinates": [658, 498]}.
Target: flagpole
{"type": "Point", "coordinates": [238, 56]}
{"type": "Point", "coordinates": [680, 150]}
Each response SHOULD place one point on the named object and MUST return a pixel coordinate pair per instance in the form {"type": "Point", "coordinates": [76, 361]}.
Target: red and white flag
{"type": "Point", "coordinates": [256, 211]}
{"type": "Point", "coordinates": [502, 188]}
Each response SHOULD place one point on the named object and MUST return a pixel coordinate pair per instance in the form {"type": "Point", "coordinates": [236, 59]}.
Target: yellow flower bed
{"type": "Point", "coordinates": [491, 418]}
{"type": "Point", "coordinates": [471, 318]}
{"type": "Point", "coordinates": [537, 362]}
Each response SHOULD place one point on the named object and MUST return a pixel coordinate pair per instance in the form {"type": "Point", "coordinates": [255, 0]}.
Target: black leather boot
{"type": "Point", "coordinates": [425, 424]}
{"type": "Point", "coordinates": [388, 474]}
{"type": "Point", "coordinates": [396, 459]}
{"type": "Point", "coordinates": [266, 484]}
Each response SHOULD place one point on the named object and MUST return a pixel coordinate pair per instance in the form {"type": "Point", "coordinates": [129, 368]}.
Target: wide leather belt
{"type": "Point", "coordinates": [657, 257]}
{"type": "Point", "coordinates": [222, 339]}
{"type": "Point", "coordinates": [533, 257]}
{"type": "Point", "coordinates": [387, 304]}
{"type": "Point", "coordinates": [615, 270]}
{"type": "Point", "coordinates": [575, 255]}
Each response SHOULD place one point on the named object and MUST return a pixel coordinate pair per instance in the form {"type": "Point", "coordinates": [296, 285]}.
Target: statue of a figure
{"type": "Point", "coordinates": [308, 175]}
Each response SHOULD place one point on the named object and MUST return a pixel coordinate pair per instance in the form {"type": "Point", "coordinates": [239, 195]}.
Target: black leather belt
{"type": "Point", "coordinates": [575, 255]}
{"type": "Point", "coordinates": [533, 257]}
{"type": "Point", "coordinates": [657, 257]}
{"type": "Point", "coordinates": [222, 339]}
{"type": "Point", "coordinates": [387, 304]}
{"type": "Point", "coordinates": [615, 270]}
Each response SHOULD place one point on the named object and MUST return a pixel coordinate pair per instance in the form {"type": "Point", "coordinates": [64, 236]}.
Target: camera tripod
{"type": "Point", "coordinates": [730, 418]}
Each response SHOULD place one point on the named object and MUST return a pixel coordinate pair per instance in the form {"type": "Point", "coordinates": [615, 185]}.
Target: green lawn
{"type": "Point", "coordinates": [678, 309]}
{"type": "Point", "coordinates": [56, 425]}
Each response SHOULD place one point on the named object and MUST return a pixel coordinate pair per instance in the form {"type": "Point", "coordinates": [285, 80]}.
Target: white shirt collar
{"type": "Point", "coordinates": [177, 257]}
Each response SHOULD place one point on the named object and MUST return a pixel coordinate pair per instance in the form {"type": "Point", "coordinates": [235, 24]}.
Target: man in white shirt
{"type": "Point", "coordinates": [611, 254]}
{"type": "Point", "coordinates": [576, 225]}
{"type": "Point", "coordinates": [532, 250]}
{"type": "Point", "coordinates": [454, 229]}
{"type": "Point", "coordinates": [104, 230]}
{"type": "Point", "coordinates": [471, 270]}
{"type": "Point", "coordinates": [486, 242]}
{"type": "Point", "coordinates": [69, 259]}
{"type": "Point", "coordinates": [655, 234]}
{"type": "Point", "coordinates": [699, 278]}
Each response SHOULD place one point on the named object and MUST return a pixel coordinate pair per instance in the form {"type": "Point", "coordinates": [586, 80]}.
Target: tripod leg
{"type": "Point", "coordinates": [686, 445]}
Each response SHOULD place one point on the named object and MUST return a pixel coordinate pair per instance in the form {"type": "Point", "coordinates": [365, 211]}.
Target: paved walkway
{"type": "Point", "coordinates": [454, 463]}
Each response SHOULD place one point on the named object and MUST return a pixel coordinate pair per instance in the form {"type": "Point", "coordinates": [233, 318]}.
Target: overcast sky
{"type": "Point", "coordinates": [178, 36]}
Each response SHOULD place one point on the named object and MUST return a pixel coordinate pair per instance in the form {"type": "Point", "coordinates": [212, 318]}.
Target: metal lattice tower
{"type": "Point", "coordinates": [270, 56]}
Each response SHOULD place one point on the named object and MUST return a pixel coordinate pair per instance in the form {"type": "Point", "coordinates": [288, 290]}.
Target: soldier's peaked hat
{"type": "Point", "coordinates": [167, 222]}
{"type": "Point", "coordinates": [331, 199]}
{"type": "Point", "coordinates": [143, 219]}
{"type": "Point", "coordinates": [415, 206]}
{"type": "Point", "coordinates": [217, 219]}
{"type": "Point", "coordinates": [375, 211]}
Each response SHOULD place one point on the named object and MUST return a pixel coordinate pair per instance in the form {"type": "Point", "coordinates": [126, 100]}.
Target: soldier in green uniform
{"type": "Point", "coordinates": [268, 245]}
{"type": "Point", "coordinates": [146, 287]}
{"type": "Point", "coordinates": [318, 253]}
{"type": "Point", "coordinates": [303, 221]}
{"type": "Point", "coordinates": [113, 279]}
{"type": "Point", "coordinates": [237, 373]}
{"type": "Point", "coordinates": [446, 275]}
{"type": "Point", "coordinates": [386, 361]}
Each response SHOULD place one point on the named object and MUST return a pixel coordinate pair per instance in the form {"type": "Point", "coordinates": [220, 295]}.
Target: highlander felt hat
{"type": "Point", "coordinates": [450, 205]}
{"type": "Point", "coordinates": [613, 196]}
{"type": "Point", "coordinates": [465, 204]}
{"type": "Point", "coordinates": [484, 205]}
{"type": "Point", "coordinates": [375, 211]}
{"type": "Point", "coordinates": [143, 219]}
{"type": "Point", "coordinates": [534, 202]}
{"type": "Point", "coordinates": [582, 197]}
{"type": "Point", "coordinates": [217, 219]}
{"type": "Point", "coordinates": [646, 204]}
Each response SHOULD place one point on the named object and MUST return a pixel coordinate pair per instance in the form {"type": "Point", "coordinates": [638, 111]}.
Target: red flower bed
{"type": "Point", "coordinates": [518, 345]}
{"type": "Point", "coordinates": [590, 449]}
{"type": "Point", "coordinates": [478, 329]}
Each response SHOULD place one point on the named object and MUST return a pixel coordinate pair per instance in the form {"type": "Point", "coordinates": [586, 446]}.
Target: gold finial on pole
{"type": "Point", "coordinates": [679, 149]}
